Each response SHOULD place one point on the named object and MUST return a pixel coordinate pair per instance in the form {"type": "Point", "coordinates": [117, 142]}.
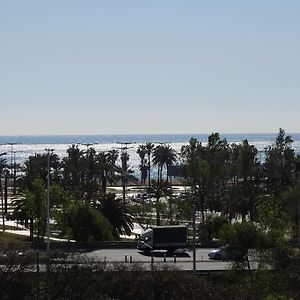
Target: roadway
{"type": "Point", "coordinates": [183, 261]}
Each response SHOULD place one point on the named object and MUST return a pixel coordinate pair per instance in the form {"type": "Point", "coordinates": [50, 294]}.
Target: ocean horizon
{"type": "Point", "coordinates": [135, 138]}
{"type": "Point", "coordinates": [19, 148]}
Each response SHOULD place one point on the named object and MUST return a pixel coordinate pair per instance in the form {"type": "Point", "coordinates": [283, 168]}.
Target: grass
{"type": "Point", "coordinates": [7, 237]}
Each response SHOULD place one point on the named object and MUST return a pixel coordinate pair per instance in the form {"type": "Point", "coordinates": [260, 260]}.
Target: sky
{"type": "Point", "coordinates": [149, 67]}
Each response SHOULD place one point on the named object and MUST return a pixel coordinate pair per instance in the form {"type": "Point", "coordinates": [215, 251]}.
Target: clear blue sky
{"type": "Point", "coordinates": [161, 66]}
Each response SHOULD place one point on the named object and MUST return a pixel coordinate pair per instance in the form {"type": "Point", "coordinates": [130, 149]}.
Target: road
{"type": "Point", "coordinates": [184, 261]}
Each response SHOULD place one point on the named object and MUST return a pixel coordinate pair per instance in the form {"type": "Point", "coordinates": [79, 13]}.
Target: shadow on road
{"type": "Point", "coordinates": [162, 253]}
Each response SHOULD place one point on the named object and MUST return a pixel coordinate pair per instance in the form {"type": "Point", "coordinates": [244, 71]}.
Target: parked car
{"type": "Point", "coordinates": [218, 254]}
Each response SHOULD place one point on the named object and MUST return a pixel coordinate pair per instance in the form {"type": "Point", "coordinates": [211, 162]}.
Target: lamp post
{"type": "Point", "coordinates": [49, 151]}
{"type": "Point", "coordinates": [194, 238]}
{"type": "Point", "coordinates": [2, 204]}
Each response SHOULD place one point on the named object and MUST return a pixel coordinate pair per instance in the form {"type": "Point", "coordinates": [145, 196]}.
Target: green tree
{"type": "Point", "coordinates": [241, 239]}
{"type": "Point", "coordinates": [33, 207]}
{"type": "Point", "coordinates": [280, 163]}
{"type": "Point", "coordinates": [117, 213]}
{"type": "Point", "coordinates": [83, 223]}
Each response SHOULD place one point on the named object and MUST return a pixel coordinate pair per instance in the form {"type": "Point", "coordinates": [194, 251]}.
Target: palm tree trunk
{"type": "Point", "coordinates": [31, 228]}
{"type": "Point", "coordinates": [157, 212]}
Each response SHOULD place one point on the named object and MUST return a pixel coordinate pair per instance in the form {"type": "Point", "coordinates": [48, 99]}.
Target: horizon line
{"type": "Point", "coordinates": [145, 134]}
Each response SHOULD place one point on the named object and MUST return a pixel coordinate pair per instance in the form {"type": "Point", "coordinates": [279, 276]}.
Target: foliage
{"type": "Point", "coordinates": [210, 229]}
{"type": "Point", "coordinates": [117, 213]}
{"type": "Point", "coordinates": [240, 238]}
{"type": "Point", "coordinates": [83, 223]}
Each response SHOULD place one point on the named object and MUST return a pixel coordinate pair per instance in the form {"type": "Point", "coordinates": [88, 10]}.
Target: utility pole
{"type": "Point", "coordinates": [49, 152]}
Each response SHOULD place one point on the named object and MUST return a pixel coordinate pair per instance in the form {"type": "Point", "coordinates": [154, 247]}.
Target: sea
{"type": "Point", "coordinates": [19, 148]}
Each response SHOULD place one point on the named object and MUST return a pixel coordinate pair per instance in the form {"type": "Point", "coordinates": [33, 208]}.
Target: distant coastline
{"type": "Point", "coordinates": [135, 138]}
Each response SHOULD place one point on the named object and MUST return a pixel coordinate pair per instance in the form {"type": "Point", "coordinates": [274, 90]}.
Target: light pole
{"type": "Point", "coordinates": [2, 204]}
{"type": "Point", "coordinates": [49, 151]}
{"type": "Point", "coordinates": [194, 238]}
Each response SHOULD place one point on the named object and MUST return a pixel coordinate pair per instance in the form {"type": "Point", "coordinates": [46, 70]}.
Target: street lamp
{"type": "Point", "coordinates": [49, 151]}
{"type": "Point", "coordinates": [194, 238]}
{"type": "Point", "coordinates": [2, 204]}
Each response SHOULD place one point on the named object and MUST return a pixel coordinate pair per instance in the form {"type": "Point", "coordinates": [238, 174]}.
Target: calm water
{"type": "Point", "coordinates": [18, 148]}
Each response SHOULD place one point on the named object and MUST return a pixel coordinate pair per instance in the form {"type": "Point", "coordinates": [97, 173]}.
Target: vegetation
{"type": "Point", "coordinates": [79, 278]}
{"type": "Point", "coordinates": [246, 202]}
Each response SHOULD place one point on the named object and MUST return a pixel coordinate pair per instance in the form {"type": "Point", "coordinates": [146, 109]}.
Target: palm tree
{"type": "Point", "coordinates": [116, 211]}
{"type": "Point", "coordinates": [36, 166]}
{"type": "Point", "coordinates": [103, 168]}
{"type": "Point", "coordinates": [149, 149]}
{"type": "Point", "coordinates": [112, 157]}
{"type": "Point", "coordinates": [72, 170]}
{"type": "Point", "coordinates": [163, 155]}
{"type": "Point", "coordinates": [92, 174]}
{"type": "Point", "coordinates": [31, 206]}
{"type": "Point", "coordinates": [170, 158]}
{"type": "Point", "coordinates": [125, 172]}
{"type": "Point", "coordinates": [142, 151]}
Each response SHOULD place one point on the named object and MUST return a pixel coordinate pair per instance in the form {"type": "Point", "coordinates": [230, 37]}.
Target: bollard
{"type": "Point", "coordinates": [152, 260]}
{"type": "Point", "coordinates": [174, 258]}
{"type": "Point", "coordinates": [130, 259]}
{"type": "Point", "coordinates": [105, 259]}
{"type": "Point", "coordinates": [126, 258]}
{"type": "Point", "coordinates": [165, 257]}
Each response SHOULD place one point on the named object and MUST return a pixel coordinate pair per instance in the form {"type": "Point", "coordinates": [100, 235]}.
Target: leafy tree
{"type": "Point", "coordinates": [83, 223]}
{"type": "Point", "coordinates": [196, 171]}
{"type": "Point", "coordinates": [290, 200]}
{"type": "Point", "coordinates": [160, 189]}
{"type": "Point", "coordinates": [210, 229]}
{"type": "Point", "coordinates": [279, 164]}
{"type": "Point", "coordinates": [241, 239]}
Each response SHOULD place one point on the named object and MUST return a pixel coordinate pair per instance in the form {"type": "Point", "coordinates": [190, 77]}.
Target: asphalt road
{"type": "Point", "coordinates": [184, 261]}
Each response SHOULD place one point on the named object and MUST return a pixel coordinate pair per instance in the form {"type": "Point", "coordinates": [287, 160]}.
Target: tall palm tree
{"type": "Point", "coordinates": [72, 169]}
{"type": "Point", "coordinates": [149, 149]}
{"type": "Point", "coordinates": [142, 151]}
{"type": "Point", "coordinates": [163, 155]}
{"type": "Point", "coordinates": [112, 157]}
{"type": "Point", "coordinates": [102, 169]}
{"type": "Point", "coordinates": [170, 158]}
